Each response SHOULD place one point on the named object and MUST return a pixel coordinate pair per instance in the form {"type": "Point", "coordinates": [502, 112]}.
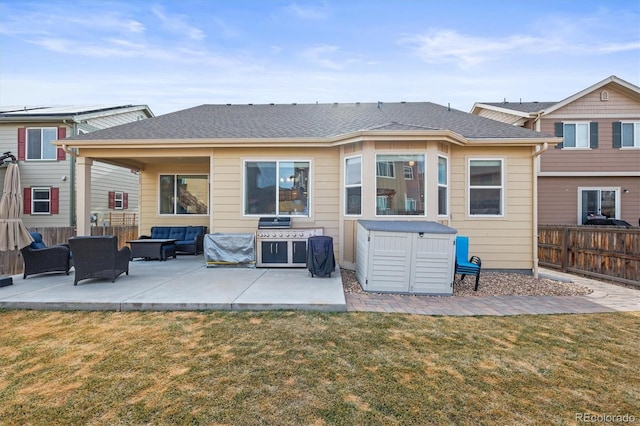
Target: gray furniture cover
{"type": "Point", "coordinates": [229, 249]}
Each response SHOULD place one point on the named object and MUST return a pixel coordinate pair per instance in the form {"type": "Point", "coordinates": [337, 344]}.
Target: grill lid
{"type": "Point", "coordinates": [274, 222]}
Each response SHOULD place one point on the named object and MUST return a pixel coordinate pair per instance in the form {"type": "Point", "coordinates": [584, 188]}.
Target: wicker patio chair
{"type": "Point", "coordinates": [40, 258]}
{"type": "Point", "coordinates": [99, 257]}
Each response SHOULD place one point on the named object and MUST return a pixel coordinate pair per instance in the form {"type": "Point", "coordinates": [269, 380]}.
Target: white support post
{"type": "Point", "coordinates": [83, 210]}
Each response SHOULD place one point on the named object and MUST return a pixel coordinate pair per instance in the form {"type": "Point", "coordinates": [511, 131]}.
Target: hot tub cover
{"type": "Point", "coordinates": [229, 249]}
{"type": "Point", "coordinates": [417, 226]}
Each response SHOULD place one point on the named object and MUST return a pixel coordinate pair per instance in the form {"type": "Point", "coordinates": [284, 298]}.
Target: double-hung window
{"type": "Point", "coordinates": [184, 194]}
{"type": "Point", "coordinates": [631, 135]}
{"type": "Point", "coordinates": [401, 193]}
{"type": "Point", "coordinates": [353, 185]}
{"type": "Point", "coordinates": [276, 188]}
{"type": "Point", "coordinates": [443, 186]}
{"type": "Point", "coordinates": [40, 200]}
{"type": "Point", "coordinates": [576, 135]}
{"type": "Point", "coordinates": [118, 200]}
{"type": "Point", "coordinates": [39, 145]}
{"type": "Point", "coordinates": [486, 187]}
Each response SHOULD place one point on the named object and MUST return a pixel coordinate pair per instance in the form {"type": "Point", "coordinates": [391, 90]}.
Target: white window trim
{"type": "Point", "coordinates": [33, 200]}
{"type": "Point", "coordinates": [26, 144]}
{"type": "Point", "coordinates": [116, 199]}
{"type": "Point", "coordinates": [277, 161]}
{"type": "Point", "coordinates": [576, 123]}
{"type": "Point", "coordinates": [615, 189]}
{"type": "Point", "coordinates": [502, 187]}
{"type": "Point", "coordinates": [439, 185]}
{"type": "Point", "coordinates": [636, 134]}
{"type": "Point", "coordinates": [353, 185]}
{"type": "Point", "coordinates": [174, 174]}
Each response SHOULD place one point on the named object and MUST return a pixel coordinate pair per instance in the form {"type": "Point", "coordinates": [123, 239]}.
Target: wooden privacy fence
{"type": "Point", "coordinates": [11, 261]}
{"type": "Point", "coordinates": [122, 219]}
{"type": "Point", "coordinates": [601, 252]}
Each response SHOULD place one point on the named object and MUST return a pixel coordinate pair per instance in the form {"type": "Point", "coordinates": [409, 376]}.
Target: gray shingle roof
{"type": "Point", "coordinates": [299, 121]}
{"type": "Point", "coordinates": [521, 106]}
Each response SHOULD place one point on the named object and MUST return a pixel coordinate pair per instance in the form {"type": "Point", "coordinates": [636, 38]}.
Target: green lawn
{"type": "Point", "coordinates": [290, 368]}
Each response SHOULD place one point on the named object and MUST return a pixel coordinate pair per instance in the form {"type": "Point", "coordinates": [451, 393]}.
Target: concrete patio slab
{"type": "Point", "coordinates": [184, 283]}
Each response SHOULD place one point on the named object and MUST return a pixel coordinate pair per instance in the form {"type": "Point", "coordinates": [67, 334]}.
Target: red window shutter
{"type": "Point", "coordinates": [125, 200]}
{"type": "Point", "coordinates": [26, 200]}
{"type": "Point", "coordinates": [112, 200]}
{"type": "Point", "coordinates": [62, 134]}
{"type": "Point", "coordinates": [55, 200]}
{"type": "Point", "coordinates": [22, 143]}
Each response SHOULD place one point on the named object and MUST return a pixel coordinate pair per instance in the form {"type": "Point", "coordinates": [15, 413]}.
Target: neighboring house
{"type": "Point", "coordinates": [48, 173]}
{"type": "Point", "coordinates": [329, 165]}
{"type": "Point", "coordinates": [596, 170]}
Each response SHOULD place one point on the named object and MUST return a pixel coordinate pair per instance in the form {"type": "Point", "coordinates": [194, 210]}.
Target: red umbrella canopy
{"type": "Point", "coordinates": [13, 234]}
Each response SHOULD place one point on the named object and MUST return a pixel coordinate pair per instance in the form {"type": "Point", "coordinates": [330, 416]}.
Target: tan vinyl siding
{"type": "Point", "coordinates": [503, 242]}
{"type": "Point", "coordinates": [226, 183]}
{"type": "Point", "coordinates": [149, 215]}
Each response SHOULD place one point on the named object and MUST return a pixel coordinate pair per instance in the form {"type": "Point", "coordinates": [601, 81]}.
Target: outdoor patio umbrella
{"type": "Point", "coordinates": [13, 234]}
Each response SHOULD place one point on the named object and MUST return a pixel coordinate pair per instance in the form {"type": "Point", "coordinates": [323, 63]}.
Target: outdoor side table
{"type": "Point", "coordinates": [153, 248]}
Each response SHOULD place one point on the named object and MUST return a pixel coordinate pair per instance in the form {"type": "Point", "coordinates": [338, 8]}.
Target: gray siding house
{"type": "Point", "coordinates": [48, 173]}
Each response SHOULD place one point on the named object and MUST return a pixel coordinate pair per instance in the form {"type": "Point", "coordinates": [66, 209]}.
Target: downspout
{"type": "Point", "coordinates": [536, 163]}
{"type": "Point", "coordinates": [72, 175]}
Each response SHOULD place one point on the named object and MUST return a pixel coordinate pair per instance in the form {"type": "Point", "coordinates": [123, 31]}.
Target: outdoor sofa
{"type": "Point", "coordinates": [189, 239]}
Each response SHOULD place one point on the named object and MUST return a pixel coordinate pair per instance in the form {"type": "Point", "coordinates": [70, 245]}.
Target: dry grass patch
{"type": "Point", "coordinates": [314, 368]}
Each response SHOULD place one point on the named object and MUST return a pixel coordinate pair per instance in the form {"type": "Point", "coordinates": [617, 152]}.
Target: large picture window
{"type": "Point", "coordinates": [39, 145]}
{"type": "Point", "coordinates": [353, 185]}
{"type": "Point", "coordinates": [486, 187]}
{"type": "Point", "coordinates": [184, 194]}
{"type": "Point", "coordinates": [278, 188]}
{"type": "Point", "coordinates": [400, 193]}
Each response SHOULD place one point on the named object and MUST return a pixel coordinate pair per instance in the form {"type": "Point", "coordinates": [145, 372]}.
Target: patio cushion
{"type": "Point", "coordinates": [37, 241]}
{"type": "Point", "coordinates": [189, 239]}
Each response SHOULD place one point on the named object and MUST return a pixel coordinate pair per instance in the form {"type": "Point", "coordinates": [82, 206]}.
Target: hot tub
{"type": "Point", "coordinates": [411, 257]}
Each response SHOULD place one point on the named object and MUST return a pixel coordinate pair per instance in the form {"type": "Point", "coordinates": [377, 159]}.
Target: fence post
{"type": "Point", "coordinates": [564, 260]}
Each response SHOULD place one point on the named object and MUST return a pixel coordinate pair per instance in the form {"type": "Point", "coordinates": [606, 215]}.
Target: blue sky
{"type": "Point", "coordinates": [173, 55]}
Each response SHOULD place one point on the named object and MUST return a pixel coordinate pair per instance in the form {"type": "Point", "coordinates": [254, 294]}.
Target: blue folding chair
{"type": "Point", "coordinates": [466, 265]}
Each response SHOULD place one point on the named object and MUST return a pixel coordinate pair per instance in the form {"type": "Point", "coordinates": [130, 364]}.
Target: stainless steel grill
{"type": "Point", "coordinates": [280, 246]}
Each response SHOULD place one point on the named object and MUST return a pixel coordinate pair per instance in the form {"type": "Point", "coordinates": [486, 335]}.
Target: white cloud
{"type": "Point", "coordinates": [178, 25]}
{"type": "Point", "coordinates": [307, 11]}
{"type": "Point", "coordinates": [449, 46]}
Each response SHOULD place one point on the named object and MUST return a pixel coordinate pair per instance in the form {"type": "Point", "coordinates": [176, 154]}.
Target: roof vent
{"type": "Point", "coordinates": [604, 95]}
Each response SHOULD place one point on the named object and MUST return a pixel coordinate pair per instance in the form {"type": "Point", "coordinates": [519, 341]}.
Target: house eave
{"type": "Point", "coordinates": [355, 137]}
